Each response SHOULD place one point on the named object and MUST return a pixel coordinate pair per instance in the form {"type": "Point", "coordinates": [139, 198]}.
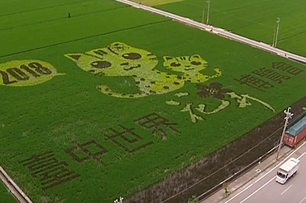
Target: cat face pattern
{"type": "Point", "coordinates": [184, 64]}
{"type": "Point", "coordinates": [119, 59]}
{"type": "Point", "coordinates": [190, 67]}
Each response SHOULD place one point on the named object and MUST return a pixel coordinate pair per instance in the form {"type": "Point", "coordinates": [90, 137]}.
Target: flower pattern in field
{"type": "Point", "coordinates": [218, 92]}
{"type": "Point", "coordinates": [214, 89]}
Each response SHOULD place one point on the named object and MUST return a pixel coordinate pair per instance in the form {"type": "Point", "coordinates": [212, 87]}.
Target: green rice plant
{"type": "Point", "coordinates": [5, 196]}
{"type": "Point", "coordinates": [255, 19]}
{"type": "Point", "coordinates": [80, 93]}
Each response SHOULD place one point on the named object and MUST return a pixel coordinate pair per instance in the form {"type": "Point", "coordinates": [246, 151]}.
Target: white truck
{"type": "Point", "coordinates": [287, 170]}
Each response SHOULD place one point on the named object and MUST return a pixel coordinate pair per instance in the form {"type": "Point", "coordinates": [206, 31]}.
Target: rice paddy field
{"type": "Point", "coordinates": [255, 19]}
{"type": "Point", "coordinates": [100, 100]}
{"type": "Point", "coordinates": [5, 196]}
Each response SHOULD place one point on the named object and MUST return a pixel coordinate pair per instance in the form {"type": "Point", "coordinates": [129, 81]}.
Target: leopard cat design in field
{"type": "Point", "coordinates": [190, 67]}
{"type": "Point", "coordinates": [120, 59]}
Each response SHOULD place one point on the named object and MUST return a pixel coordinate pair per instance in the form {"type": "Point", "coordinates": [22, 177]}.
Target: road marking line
{"type": "Point", "coordinates": [301, 155]}
{"type": "Point", "coordinates": [302, 200]}
{"type": "Point", "coordinates": [258, 170]}
{"type": "Point", "coordinates": [257, 190]}
{"type": "Point", "coordinates": [239, 193]}
{"type": "Point", "coordinates": [286, 189]}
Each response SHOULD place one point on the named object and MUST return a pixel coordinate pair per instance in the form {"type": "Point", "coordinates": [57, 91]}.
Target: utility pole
{"type": "Point", "coordinates": [277, 29]}
{"type": "Point", "coordinates": [208, 7]}
{"type": "Point", "coordinates": [203, 14]}
{"type": "Point", "coordinates": [276, 32]}
{"type": "Point", "coordinates": [287, 117]}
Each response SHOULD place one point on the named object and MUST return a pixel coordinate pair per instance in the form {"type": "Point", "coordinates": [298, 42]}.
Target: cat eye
{"type": "Point", "coordinates": [175, 64]}
{"type": "Point", "coordinates": [131, 55]}
{"type": "Point", "coordinates": [196, 63]}
{"type": "Point", "coordinates": [101, 64]}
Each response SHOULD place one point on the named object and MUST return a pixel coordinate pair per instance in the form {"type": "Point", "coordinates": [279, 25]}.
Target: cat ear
{"type": "Point", "coordinates": [118, 44]}
{"type": "Point", "coordinates": [74, 57]}
{"type": "Point", "coordinates": [166, 58]}
{"type": "Point", "coordinates": [196, 56]}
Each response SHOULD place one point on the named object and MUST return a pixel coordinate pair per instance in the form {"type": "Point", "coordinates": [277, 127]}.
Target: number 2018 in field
{"type": "Point", "coordinates": [24, 72]}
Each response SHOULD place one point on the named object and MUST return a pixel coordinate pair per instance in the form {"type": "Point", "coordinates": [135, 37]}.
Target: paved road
{"type": "Point", "coordinates": [216, 30]}
{"type": "Point", "coordinates": [268, 190]}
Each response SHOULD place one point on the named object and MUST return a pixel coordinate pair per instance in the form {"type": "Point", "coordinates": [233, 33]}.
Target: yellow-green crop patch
{"type": "Point", "coordinates": [26, 72]}
{"type": "Point", "coordinates": [137, 97]}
